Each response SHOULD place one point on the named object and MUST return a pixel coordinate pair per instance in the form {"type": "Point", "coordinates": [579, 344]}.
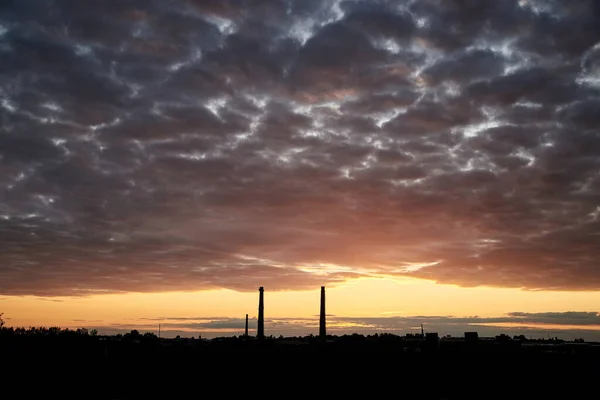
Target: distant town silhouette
{"type": "Point", "coordinates": [367, 362]}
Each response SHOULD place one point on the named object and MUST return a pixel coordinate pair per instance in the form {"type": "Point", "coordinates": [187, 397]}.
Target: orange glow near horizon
{"type": "Point", "coordinates": [358, 298]}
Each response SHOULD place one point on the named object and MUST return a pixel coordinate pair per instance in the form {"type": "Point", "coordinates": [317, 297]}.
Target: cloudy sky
{"type": "Point", "coordinates": [160, 148]}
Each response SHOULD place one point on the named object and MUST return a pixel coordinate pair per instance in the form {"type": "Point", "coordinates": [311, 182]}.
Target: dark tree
{"type": "Point", "coordinates": [150, 335]}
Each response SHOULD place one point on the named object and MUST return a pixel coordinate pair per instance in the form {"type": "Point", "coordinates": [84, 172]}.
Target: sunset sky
{"type": "Point", "coordinates": [428, 161]}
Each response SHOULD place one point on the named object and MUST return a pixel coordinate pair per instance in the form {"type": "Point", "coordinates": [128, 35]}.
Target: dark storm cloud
{"type": "Point", "coordinates": [156, 146]}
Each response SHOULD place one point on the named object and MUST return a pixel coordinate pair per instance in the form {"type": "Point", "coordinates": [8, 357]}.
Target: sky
{"type": "Point", "coordinates": [432, 161]}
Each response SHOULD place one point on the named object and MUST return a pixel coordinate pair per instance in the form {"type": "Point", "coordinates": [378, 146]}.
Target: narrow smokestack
{"type": "Point", "coordinates": [260, 331]}
{"type": "Point", "coordinates": [246, 331]}
{"type": "Point", "coordinates": [322, 328]}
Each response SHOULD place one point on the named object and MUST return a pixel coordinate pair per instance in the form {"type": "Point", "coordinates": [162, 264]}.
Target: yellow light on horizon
{"type": "Point", "coordinates": [363, 297]}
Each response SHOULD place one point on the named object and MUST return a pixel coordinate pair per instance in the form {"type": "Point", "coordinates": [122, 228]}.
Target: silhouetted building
{"type": "Point", "coordinates": [502, 338]}
{"type": "Point", "coordinates": [471, 337]}
{"type": "Point", "coordinates": [322, 321]}
{"type": "Point", "coordinates": [432, 340]}
{"type": "Point", "coordinates": [260, 331]}
{"type": "Point", "coordinates": [246, 330]}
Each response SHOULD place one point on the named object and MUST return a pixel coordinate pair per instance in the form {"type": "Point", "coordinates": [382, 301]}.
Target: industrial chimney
{"type": "Point", "coordinates": [246, 331]}
{"type": "Point", "coordinates": [260, 331]}
{"type": "Point", "coordinates": [322, 328]}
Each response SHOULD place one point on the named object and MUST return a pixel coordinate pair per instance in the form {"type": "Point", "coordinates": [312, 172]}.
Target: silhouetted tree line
{"type": "Point", "coordinates": [47, 332]}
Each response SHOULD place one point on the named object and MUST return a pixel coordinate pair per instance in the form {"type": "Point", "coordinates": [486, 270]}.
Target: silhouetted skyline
{"type": "Point", "coordinates": [455, 363]}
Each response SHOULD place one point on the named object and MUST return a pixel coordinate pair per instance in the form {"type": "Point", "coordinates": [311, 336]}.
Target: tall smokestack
{"type": "Point", "coordinates": [260, 331]}
{"type": "Point", "coordinates": [246, 331]}
{"type": "Point", "coordinates": [322, 328]}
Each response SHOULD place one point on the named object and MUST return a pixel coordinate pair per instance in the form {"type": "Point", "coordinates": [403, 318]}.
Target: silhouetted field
{"type": "Point", "coordinates": [106, 368]}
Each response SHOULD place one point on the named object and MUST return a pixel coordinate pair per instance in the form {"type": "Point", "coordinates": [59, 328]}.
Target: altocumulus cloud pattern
{"type": "Point", "coordinates": [180, 145]}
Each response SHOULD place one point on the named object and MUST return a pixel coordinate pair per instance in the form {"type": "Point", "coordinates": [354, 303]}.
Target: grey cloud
{"type": "Point", "coordinates": [581, 114]}
{"type": "Point", "coordinates": [552, 31]}
{"type": "Point", "coordinates": [559, 318]}
{"type": "Point", "coordinates": [539, 85]}
{"type": "Point", "coordinates": [554, 318]}
{"type": "Point", "coordinates": [329, 59]}
{"type": "Point", "coordinates": [379, 19]}
{"type": "Point", "coordinates": [156, 146]}
{"type": "Point", "coordinates": [380, 103]}
{"type": "Point", "coordinates": [466, 67]}
{"type": "Point", "coordinates": [429, 117]}
{"type": "Point", "coordinates": [227, 323]}
{"type": "Point", "coordinates": [28, 149]}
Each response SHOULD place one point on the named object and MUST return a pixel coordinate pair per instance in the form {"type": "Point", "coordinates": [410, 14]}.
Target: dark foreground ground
{"type": "Point", "coordinates": [101, 369]}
